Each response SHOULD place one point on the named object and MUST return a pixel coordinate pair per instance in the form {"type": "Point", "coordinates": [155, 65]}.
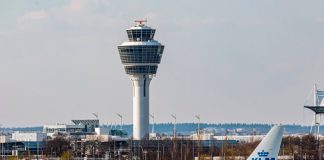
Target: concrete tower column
{"type": "Point", "coordinates": [141, 84]}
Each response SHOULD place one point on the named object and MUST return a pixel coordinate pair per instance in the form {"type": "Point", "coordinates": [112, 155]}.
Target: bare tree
{"type": "Point", "coordinates": [57, 146]}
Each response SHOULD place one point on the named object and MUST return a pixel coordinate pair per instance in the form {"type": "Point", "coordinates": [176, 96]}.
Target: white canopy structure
{"type": "Point", "coordinates": [317, 106]}
{"type": "Point", "coordinates": [319, 98]}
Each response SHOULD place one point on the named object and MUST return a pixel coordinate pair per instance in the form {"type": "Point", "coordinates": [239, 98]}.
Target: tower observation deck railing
{"type": "Point", "coordinates": [141, 34]}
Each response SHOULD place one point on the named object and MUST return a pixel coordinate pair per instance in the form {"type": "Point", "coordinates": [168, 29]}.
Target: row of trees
{"type": "Point", "coordinates": [299, 147]}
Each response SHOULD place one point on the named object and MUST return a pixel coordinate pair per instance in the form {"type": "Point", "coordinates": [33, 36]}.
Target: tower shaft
{"type": "Point", "coordinates": [141, 84]}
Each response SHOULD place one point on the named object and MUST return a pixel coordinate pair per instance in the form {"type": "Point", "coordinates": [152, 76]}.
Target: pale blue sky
{"type": "Point", "coordinates": [229, 61]}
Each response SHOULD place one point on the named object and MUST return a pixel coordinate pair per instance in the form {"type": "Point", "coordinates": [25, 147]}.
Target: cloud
{"type": "Point", "coordinates": [256, 22]}
{"type": "Point", "coordinates": [212, 21]}
{"type": "Point", "coordinates": [67, 50]}
{"type": "Point", "coordinates": [34, 15]}
{"type": "Point", "coordinates": [320, 20]}
{"type": "Point", "coordinates": [151, 15]}
{"type": "Point", "coordinates": [76, 5]}
{"type": "Point", "coordinates": [79, 5]}
{"type": "Point", "coordinates": [80, 14]}
{"type": "Point", "coordinates": [195, 23]}
{"type": "Point", "coordinates": [31, 21]}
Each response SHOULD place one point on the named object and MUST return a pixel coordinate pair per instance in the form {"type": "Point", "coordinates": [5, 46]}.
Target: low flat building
{"type": "Point", "coordinates": [28, 136]}
{"type": "Point", "coordinates": [248, 138]}
{"type": "Point", "coordinates": [79, 127]}
{"type": "Point", "coordinates": [5, 138]}
{"type": "Point", "coordinates": [89, 124]}
{"type": "Point", "coordinates": [50, 130]}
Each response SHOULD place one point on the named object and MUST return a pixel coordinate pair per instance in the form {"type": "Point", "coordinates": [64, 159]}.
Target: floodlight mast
{"type": "Point", "coordinates": [152, 116]}
{"type": "Point", "coordinates": [198, 129]}
{"type": "Point", "coordinates": [174, 125]}
{"type": "Point", "coordinates": [96, 115]}
{"type": "Point", "coordinates": [140, 56]}
{"type": "Point", "coordinates": [121, 120]}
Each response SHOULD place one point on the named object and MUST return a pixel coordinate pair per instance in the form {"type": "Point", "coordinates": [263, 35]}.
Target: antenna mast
{"type": "Point", "coordinates": [141, 22]}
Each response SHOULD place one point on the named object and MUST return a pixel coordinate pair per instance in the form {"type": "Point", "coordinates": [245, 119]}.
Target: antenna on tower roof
{"type": "Point", "coordinates": [141, 22]}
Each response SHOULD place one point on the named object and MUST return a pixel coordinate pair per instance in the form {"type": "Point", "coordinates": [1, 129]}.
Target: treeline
{"type": "Point", "coordinates": [302, 147]}
{"type": "Point", "coordinates": [296, 147]}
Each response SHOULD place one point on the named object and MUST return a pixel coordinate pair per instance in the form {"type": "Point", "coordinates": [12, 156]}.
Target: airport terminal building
{"type": "Point", "coordinates": [79, 127]}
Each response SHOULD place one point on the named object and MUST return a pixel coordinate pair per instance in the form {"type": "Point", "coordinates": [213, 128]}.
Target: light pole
{"type": "Point", "coordinates": [121, 120]}
{"type": "Point", "coordinates": [37, 150]}
{"type": "Point", "coordinates": [96, 115]}
{"type": "Point", "coordinates": [198, 134]}
{"type": "Point", "coordinates": [152, 116]}
{"type": "Point", "coordinates": [198, 130]}
{"type": "Point", "coordinates": [174, 125]}
{"type": "Point", "coordinates": [1, 141]}
{"type": "Point", "coordinates": [28, 148]}
{"type": "Point", "coordinates": [158, 151]}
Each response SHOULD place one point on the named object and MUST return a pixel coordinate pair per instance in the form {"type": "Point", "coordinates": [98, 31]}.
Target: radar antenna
{"type": "Point", "coordinates": [141, 22]}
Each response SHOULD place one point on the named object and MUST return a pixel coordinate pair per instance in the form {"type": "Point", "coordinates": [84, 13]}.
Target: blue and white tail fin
{"type": "Point", "coordinates": [269, 147]}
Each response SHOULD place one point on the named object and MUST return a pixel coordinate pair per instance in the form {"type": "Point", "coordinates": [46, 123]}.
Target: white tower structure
{"type": "Point", "coordinates": [140, 56]}
{"type": "Point", "coordinates": [317, 106]}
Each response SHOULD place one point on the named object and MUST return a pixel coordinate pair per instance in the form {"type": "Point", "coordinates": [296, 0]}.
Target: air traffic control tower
{"type": "Point", "coordinates": [140, 55]}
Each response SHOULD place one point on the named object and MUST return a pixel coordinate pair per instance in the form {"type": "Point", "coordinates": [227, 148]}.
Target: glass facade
{"type": "Point", "coordinates": [140, 34]}
{"type": "Point", "coordinates": [140, 54]}
{"type": "Point", "coordinates": [141, 58]}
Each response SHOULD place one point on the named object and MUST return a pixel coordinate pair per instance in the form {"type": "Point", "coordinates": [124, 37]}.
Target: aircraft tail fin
{"type": "Point", "coordinates": [269, 147]}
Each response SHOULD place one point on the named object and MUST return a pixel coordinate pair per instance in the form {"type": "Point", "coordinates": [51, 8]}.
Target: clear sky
{"type": "Point", "coordinates": [251, 61]}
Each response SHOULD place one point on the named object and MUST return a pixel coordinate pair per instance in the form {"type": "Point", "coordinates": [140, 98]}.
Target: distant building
{"type": "Point", "coordinates": [51, 130]}
{"type": "Point", "coordinates": [118, 132]}
{"type": "Point", "coordinates": [80, 127]}
{"type": "Point", "coordinates": [89, 124]}
{"type": "Point", "coordinates": [246, 138]}
{"type": "Point", "coordinates": [28, 136]}
{"type": "Point", "coordinates": [4, 138]}
{"type": "Point", "coordinates": [102, 131]}
{"type": "Point", "coordinates": [18, 143]}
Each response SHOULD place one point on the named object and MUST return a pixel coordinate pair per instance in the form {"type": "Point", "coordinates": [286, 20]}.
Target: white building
{"type": "Point", "coordinates": [63, 128]}
{"type": "Point", "coordinates": [102, 131]}
{"type": "Point", "coordinates": [4, 138]}
{"type": "Point", "coordinates": [79, 127]}
{"type": "Point", "coordinates": [248, 138]}
{"type": "Point", "coordinates": [28, 136]}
